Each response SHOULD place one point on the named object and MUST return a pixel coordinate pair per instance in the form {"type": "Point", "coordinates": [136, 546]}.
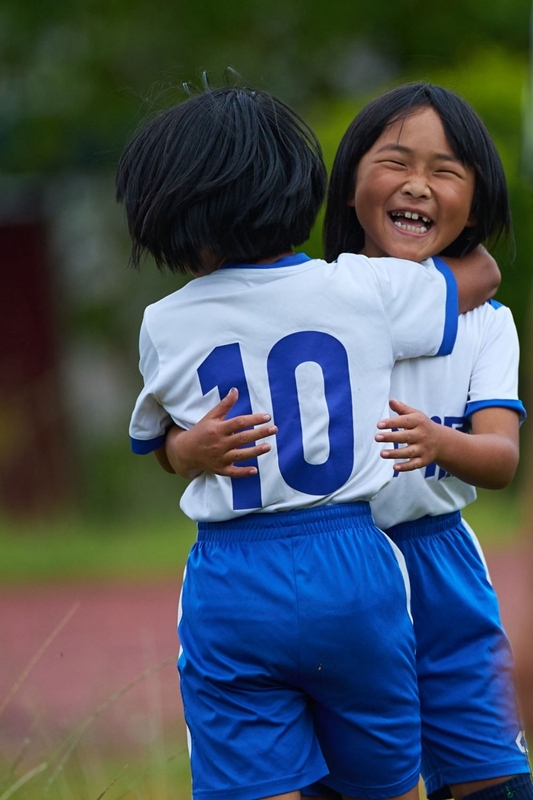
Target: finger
{"type": "Point", "coordinates": [391, 453]}
{"type": "Point", "coordinates": [409, 466]}
{"type": "Point", "coordinates": [400, 408]}
{"type": "Point", "coordinates": [238, 472]}
{"type": "Point", "coordinates": [401, 452]}
{"type": "Point", "coordinates": [243, 422]}
{"type": "Point", "coordinates": [244, 438]}
{"type": "Point", "coordinates": [394, 422]}
{"type": "Point", "coordinates": [397, 437]}
{"type": "Point", "coordinates": [245, 453]}
{"type": "Point", "coordinates": [225, 405]}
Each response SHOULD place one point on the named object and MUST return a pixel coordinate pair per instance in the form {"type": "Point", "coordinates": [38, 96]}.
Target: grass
{"type": "Point", "coordinates": [73, 769]}
{"type": "Point", "coordinates": [496, 517]}
{"type": "Point", "coordinates": [157, 548]}
{"type": "Point", "coordinates": [68, 551]}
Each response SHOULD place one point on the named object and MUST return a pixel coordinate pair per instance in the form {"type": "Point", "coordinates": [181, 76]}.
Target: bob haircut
{"type": "Point", "coordinates": [470, 142]}
{"type": "Point", "coordinates": [230, 172]}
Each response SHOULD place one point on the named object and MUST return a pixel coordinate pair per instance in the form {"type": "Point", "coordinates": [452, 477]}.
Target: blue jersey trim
{"type": "Point", "coordinates": [514, 405]}
{"type": "Point", "coordinates": [495, 303]}
{"type": "Point", "coordinates": [143, 446]}
{"type": "Point", "coordinates": [286, 261]}
{"type": "Point", "coordinates": [452, 308]}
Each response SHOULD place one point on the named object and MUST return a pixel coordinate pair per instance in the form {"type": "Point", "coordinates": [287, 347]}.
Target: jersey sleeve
{"type": "Point", "coordinates": [149, 422]}
{"type": "Point", "coordinates": [421, 305]}
{"type": "Point", "coordinates": [494, 380]}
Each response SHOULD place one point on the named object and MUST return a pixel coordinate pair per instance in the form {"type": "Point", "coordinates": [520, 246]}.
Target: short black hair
{"type": "Point", "coordinates": [231, 170]}
{"type": "Point", "coordinates": [470, 142]}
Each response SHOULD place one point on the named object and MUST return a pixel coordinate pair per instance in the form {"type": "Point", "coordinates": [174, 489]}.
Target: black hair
{"type": "Point", "coordinates": [231, 171]}
{"type": "Point", "coordinates": [470, 142]}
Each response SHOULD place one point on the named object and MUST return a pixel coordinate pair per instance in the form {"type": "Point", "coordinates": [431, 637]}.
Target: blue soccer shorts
{"type": "Point", "coordinates": [471, 728]}
{"type": "Point", "coordinates": [297, 657]}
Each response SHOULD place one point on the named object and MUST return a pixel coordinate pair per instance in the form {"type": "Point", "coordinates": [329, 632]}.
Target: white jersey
{"type": "Point", "coordinates": [311, 343]}
{"type": "Point", "coordinates": [482, 371]}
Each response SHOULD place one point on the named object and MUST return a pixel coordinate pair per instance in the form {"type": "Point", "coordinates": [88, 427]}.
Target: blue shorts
{"type": "Point", "coordinates": [297, 659]}
{"type": "Point", "coordinates": [471, 728]}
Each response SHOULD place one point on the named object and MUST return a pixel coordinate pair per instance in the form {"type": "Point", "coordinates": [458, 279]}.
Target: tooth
{"type": "Point", "coordinates": [414, 215]}
{"type": "Point", "coordinates": [407, 214]}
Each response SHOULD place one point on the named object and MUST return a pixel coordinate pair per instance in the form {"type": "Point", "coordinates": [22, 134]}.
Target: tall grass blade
{"type": "Point", "coordinates": [24, 779]}
{"type": "Point", "coordinates": [40, 652]}
{"type": "Point", "coordinates": [72, 740]}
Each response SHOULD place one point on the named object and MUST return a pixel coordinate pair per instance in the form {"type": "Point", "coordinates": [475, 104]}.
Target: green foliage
{"type": "Point", "coordinates": [75, 73]}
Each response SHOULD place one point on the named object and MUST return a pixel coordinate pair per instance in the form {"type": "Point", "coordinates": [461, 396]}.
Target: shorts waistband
{"type": "Point", "coordinates": [424, 526]}
{"type": "Point", "coordinates": [286, 524]}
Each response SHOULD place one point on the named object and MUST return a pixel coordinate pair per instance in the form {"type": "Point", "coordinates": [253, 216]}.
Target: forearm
{"type": "Point", "coordinates": [176, 458]}
{"type": "Point", "coordinates": [478, 278]}
{"type": "Point", "coordinates": [486, 460]}
{"type": "Point", "coordinates": [179, 454]}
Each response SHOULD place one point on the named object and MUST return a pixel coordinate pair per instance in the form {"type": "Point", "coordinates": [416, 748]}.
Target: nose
{"type": "Point", "coordinates": [416, 185]}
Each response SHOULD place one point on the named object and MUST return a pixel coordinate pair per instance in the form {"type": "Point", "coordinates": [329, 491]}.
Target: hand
{"type": "Point", "coordinates": [420, 435]}
{"type": "Point", "coordinates": [216, 444]}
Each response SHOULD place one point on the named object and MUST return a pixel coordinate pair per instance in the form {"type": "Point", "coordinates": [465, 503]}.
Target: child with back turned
{"type": "Point", "coordinates": [421, 173]}
{"type": "Point", "coordinates": [297, 659]}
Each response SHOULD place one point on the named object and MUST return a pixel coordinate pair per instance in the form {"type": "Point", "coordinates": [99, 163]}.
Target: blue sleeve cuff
{"type": "Point", "coordinates": [452, 308]}
{"type": "Point", "coordinates": [143, 446]}
{"type": "Point", "coordinates": [514, 405]}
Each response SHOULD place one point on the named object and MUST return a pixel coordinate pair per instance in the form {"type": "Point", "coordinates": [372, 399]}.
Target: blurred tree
{"type": "Point", "coordinates": [74, 73]}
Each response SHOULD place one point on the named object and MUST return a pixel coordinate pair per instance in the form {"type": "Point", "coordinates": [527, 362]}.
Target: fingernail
{"type": "Point", "coordinates": [379, 437]}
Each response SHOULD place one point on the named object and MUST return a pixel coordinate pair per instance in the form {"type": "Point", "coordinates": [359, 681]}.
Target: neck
{"type": "Point", "coordinates": [275, 258]}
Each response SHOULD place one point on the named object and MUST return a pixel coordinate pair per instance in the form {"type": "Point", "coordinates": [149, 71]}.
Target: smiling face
{"type": "Point", "coordinates": [412, 194]}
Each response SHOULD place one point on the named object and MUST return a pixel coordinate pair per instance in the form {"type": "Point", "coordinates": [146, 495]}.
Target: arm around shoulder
{"type": "Point", "coordinates": [477, 275]}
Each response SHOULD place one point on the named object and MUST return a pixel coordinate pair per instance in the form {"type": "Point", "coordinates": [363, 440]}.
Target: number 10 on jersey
{"type": "Point", "coordinates": [224, 368]}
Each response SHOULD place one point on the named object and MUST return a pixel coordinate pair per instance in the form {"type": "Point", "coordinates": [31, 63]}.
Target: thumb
{"type": "Point", "coordinates": [400, 408]}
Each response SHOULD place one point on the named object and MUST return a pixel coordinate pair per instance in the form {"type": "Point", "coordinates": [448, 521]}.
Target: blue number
{"type": "Point", "coordinates": [223, 369]}
{"type": "Point", "coordinates": [330, 355]}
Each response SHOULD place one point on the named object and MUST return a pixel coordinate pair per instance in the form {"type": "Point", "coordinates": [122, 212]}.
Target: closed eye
{"type": "Point", "coordinates": [449, 172]}
{"type": "Point", "coordinates": [391, 162]}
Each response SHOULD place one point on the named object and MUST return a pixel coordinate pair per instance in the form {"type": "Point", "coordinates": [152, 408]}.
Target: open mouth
{"type": "Point", "coordinates": [411, 221]}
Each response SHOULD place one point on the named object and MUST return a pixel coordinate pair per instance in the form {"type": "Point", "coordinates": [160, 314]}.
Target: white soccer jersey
{"type": "Point", "coordinates": [311, 343]}
{"type": "Point", "coordinates": [482, 371]}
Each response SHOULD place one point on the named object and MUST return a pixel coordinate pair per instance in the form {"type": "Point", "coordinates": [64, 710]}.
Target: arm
{"type": "Point", "coordinates": [487, 458]}
{"type": "Point", "coordinates": [478, 278]}
{"type": "Point", "coordinates": [215, 443]}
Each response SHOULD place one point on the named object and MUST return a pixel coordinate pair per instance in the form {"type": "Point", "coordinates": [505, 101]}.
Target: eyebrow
{"type": "Point", "coordinates": [400, 148]}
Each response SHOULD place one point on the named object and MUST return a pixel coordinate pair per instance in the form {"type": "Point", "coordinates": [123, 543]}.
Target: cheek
{"type": "Point", "coordinates": [367, 202]}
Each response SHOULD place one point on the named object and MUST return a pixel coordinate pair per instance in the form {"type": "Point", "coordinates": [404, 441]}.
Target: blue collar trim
{"type": "Point", "coordinates": [285, 261]}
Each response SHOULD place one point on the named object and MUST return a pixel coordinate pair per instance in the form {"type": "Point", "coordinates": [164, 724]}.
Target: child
{"type": "Point", "coordinates": [290, 664]}
{"type": "Point", "coordinates": [420, 170]}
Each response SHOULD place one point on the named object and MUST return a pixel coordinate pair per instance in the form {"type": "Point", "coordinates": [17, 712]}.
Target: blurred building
{"type": "Point", "coordinates": [35, 455]}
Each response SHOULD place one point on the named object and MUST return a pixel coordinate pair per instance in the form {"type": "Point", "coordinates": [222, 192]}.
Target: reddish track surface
{"type": "Point", "coordinates": [118, 631]}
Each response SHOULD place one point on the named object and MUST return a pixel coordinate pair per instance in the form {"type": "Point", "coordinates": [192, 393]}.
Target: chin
{"type": "Point", "coordinates": [409, 254]}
